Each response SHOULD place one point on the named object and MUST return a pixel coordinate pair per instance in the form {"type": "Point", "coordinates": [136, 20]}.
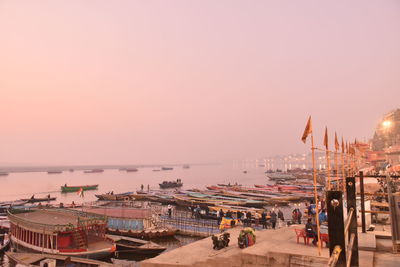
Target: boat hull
{"type": "Point", "coordinates": [21, 246]}
{"type": "Point", "coordinates": [149, 234]}
{"type": "Point", "coordinates": [35, 200]}
{"type": "Point", "coordinates": [67, 189]}
{"type": "Point", "coordinates": [139, 250]}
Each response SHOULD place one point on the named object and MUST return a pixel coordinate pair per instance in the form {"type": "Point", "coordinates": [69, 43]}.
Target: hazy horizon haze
{"type": "Point", "coordinates": [142, 82]}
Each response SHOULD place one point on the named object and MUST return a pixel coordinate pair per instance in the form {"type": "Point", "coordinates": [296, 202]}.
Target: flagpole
{"type": "Point", "coordinates": [315, 192]}
{"type": "Point", "coordinates": [327, 156]}
{"type": "Point", "coordinates": [343, 174]}
{"type": "Point", "coordinates": [337, 169]}
{"type": "Point", "coordinates": [328, 169]}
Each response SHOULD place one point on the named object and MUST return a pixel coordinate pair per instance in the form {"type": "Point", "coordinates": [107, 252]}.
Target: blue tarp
{"type": "Point", "coordinates": [123, 224]}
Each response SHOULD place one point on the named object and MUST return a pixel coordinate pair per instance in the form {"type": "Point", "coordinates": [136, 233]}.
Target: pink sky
{"type": "Point", "coordinates": [86, 82]}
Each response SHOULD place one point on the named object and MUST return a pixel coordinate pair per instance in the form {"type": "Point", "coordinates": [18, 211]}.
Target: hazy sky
{"type": "Point", "coordinates": [190, 81]}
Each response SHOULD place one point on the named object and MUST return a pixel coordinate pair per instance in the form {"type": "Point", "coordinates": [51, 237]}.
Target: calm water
{"type": "Point", "coordinates": [24, 185]}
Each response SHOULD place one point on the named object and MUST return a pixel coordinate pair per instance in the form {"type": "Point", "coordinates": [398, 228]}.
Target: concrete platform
{"type": "Point", "coordinates": [367, 241]}
{"type": "Point", "coordinates": [272, 248]}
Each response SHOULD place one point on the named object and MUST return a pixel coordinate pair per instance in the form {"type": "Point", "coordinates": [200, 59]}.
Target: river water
{"type": "Point", "coordinates": [23, 185]}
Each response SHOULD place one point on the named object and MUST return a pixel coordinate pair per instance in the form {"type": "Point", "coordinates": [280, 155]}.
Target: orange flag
{"type": "Point", "coordinates": [326, 138]}
{"type": "Point", "coordinates": [337, 146]}
{"type": "Point", "coordinates": [307, 130]}
{"type": "Point", "coordinates": [342, 145]}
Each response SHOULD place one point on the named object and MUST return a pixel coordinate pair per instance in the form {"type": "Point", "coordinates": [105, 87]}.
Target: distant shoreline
{"type": "Point", "coordinates": [46, 168]}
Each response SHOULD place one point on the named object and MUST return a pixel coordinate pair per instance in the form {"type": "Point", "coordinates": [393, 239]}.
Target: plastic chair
{"type": "Point", "coordinates": [325, 238]}
{"type": "Point", "coordinates": [301, 233]}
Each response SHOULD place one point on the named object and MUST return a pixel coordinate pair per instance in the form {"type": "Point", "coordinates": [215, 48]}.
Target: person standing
{"type": "Point", "coordinates": [142, 186]}
{"type": "Point", "coordinates": [280, 218]}
{"type": "Point", "coordinates": [220, 215]}
{"type": "Point", "coordinates": [322, 216]}
{"type": "Point", "coordinates": [264, 219]}
{"type": "Point", "coordinates": [169, 210]}
{"type": "Point", "coordinates": [299, 215]}
{"type": "Point", "coordinates": [248, 218]}
{"type": "Point", "coordinates": [273, 218]}
{"type": "Point", "coordinates": [239, 215]}
{"type": "Point", "coordinates": [257, 218]}
{"type": "Point", "coordinates": [294, 216]}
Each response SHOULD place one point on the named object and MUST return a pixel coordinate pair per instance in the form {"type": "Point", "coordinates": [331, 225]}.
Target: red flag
{"type": "Point", "coordinates": [307, 130]}
{"type": "Point", "coordinates": [337, 146]}
{"type": "Point", "coordinates": [326, 138]}
{"type": "Point", "coordinates": [342, 145]}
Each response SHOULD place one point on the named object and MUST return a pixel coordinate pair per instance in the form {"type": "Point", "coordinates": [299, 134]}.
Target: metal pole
{"type": "Point", "coordinates": [334, 203]}
{"type": "Point", "coordinates": [392, 211]}
{"type": "Point", "coordinates": [351, 205]}
{"type": "Point", "coordinates": [315, 193]}
{"type": "Point", "coordinates": [362, 202]}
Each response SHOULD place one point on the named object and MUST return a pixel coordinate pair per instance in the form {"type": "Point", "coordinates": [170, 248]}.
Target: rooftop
{"type": "Point", "coordinates": [54, 219]}
{"type": "Point", "coordinates": [49, 217]}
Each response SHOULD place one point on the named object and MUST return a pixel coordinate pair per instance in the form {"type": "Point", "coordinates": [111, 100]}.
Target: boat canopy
{"type": "Point", "coordinates": [54, 220]}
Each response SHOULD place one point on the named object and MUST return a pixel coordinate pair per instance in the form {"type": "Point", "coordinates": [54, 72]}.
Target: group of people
{"type": "Point", "coordinates": [142, 188]}
{"type": "Point", "coordinates": [311, 224]}
{"type": "Point", "coordinates": [267, 219]}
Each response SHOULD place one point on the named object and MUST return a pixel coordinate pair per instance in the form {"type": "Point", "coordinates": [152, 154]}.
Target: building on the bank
{"type": "Point", "coordinates": [386, 141]}
{"type": "Point", "coordinates": [393, 155]}
{"type": "Point", "coordinates": [387, 132]}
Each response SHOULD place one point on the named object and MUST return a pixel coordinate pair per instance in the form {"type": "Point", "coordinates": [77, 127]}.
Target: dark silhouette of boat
{"type": "Point", "coordinates": [3, 173]}
{"type": "Point", "coordinates": [171, 184]}
{"type": "Point", "coordinates": [167, 168]}
{"type": "Point", "coordinates": [136, 246]}
{"type": "Point", "coordinates": [54, 172]}
{"type": "Point", "coordinates": [93, 171]}
{"type": "Point", "coordinates": [131, 170]}
{"type": "Point", "coordinates": [34, 199]}
{"type": "Point", "coordinates": [75, 188]}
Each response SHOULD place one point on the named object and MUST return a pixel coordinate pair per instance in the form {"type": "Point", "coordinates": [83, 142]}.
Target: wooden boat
{"type": "Point", "coordinates": [132, 222]}
{"type": "Point", "coordinates": [3, 173]}
{"type": "Point", "coordinates": [131, 170]}
{"type": "Point", "coordinates": [40, 199]}
{"type": "Point", "coordinates": [36, 259]}
{"type": "Point", "coordinates": [116, 197]}
{"type": "Point", "coordinates": [75, 188]}
{"type": "Point", "coordinates": [167, 168]}
{"type": "Point", "coordinates": [136, 246]}
{"type": "Point", "coordinates": [93, 171]}
{"type": "Point", "coordinates": [59, 232]}
{"type": "Point", "coordinates": [54, 172]}
{"type": "Point", "coordinates": [145, 234]}
{"type": "Point", "coordinates": [281, 176]}
{"type": "Point", "coordinates": [171, 184]}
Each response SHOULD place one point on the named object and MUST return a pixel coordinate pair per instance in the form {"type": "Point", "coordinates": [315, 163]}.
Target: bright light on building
{"type": "Point", "coordinates": [386, 124]}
